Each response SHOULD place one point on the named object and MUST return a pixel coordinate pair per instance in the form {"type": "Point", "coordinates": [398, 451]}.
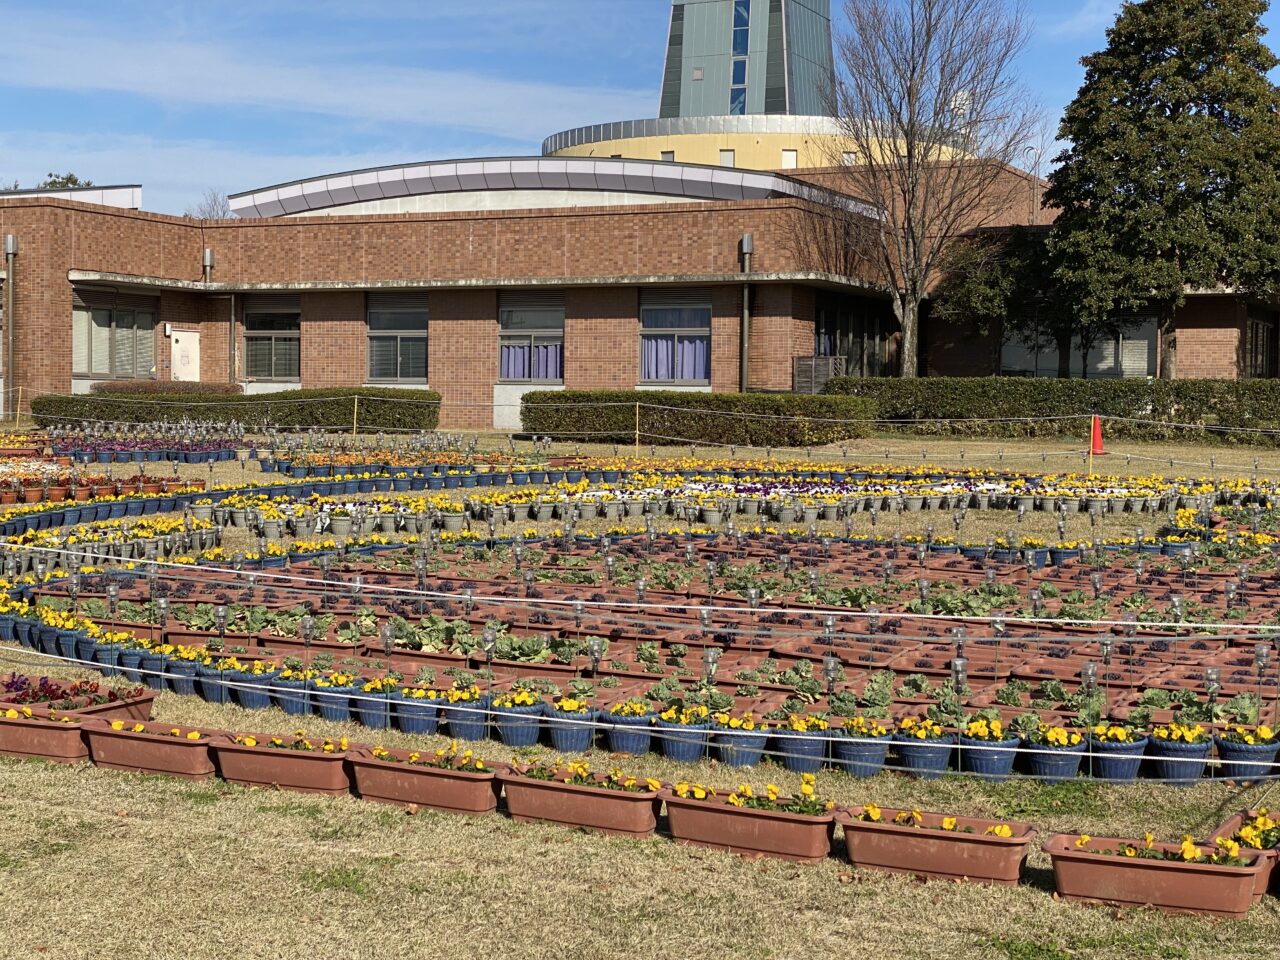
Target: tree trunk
{"type": "Point", "coordinates": [1063, 341]}
{"type": "Point", "coordinates": [907, 311]}
{"type": "Point", "coordinates": [1167, 356]}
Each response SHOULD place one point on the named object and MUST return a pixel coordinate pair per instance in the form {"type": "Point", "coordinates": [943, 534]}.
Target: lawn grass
{"type": "Point", "coordinates": [101, 864]}
{"type": "Point", "coordinates": [106, 864]}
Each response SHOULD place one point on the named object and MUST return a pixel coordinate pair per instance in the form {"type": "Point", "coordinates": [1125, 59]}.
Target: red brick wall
{"type": "Point", "coordinates": [781, 329]}
{"type": "Point", "coordinates": [334, 340]}
{"type": "Point", "coordinates": [601, 338]}
{"type": "Point", "coordinates": [462, 355]}
{"type": "Point", "coordinates": [1209, 341]}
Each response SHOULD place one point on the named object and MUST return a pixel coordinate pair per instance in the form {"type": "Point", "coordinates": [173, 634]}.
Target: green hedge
{"type": "Point", "coordinates": [673, 417]}
{"type": "Point", "coordinates": [1026, 406]}
{"type": "Point", "coordinates": [378, 410]}
{"type": "Point", "coordinates": [179, 387]}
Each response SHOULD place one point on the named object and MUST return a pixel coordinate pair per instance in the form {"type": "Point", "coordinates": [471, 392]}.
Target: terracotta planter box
{"type": "Point", "coordinates": [136, 709]}
{"type": "Point", "coordinates": [1166, 884]}
{"type": "Point", "coordinates": [614, 812]}
{"type": "Point", "coordinates": [456, 791]}
{"type": "Point", "coordinates": [43, 739]}
{"type": "Point", "coordinates": [1268, 876]}
{"type": "Point", "coordinates": [771, 833]}
{"type": "Point", "coordinates": [307, 771]}
{"type": "Point", "coordinates": [150, 752]}
{"type": "Point", "coordinates": [934, 853]}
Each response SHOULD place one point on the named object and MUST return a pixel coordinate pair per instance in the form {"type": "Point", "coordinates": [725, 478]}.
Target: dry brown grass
{"type": "Point", "coordinates": [103, 864]}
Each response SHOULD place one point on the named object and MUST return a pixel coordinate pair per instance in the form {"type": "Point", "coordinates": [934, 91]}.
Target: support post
{"type": "Point", "coordinates": [355, 414]}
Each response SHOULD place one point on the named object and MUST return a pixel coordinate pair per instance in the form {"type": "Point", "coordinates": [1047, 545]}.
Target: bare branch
{"type": "Point", "coordinates": [213, 205]}
{"type": "Point", "coordinates": [927, 96]}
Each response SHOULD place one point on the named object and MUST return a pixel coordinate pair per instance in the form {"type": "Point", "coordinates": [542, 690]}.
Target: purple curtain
{"type": "Point", "coordinates": [658, 360]}
{"type": "Point", "coordinates": [514, 361]}
{"type": "Point", "coordinates": [695, 359]}
{"type": "Point", "coordinates": [665, 358]}
{"type": "Point", "coordinates": [547, 361]}
{"type": "Point", "coordinates": [523, 361]}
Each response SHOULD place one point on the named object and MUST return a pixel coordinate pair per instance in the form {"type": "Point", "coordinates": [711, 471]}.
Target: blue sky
{"type": "Point", "coordinates": [183, 96]}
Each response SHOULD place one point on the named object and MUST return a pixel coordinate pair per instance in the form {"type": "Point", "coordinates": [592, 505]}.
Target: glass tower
{"type": "Point", "coordinates": [739, 57]}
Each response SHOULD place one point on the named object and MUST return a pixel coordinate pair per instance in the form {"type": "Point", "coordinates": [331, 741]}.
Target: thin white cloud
{"type": "Point", "coordinates": [174, 174]}
{"type": "Point", "coordinates": [198, 73]}
{"type": "Point", "coordinates": [1091, 17]}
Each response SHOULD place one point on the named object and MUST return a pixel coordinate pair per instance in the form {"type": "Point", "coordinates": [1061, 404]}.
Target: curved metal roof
{"type": "Point", "coordinates": [657, 178]}
{"type": "Point", "coordinates": [691, 126]}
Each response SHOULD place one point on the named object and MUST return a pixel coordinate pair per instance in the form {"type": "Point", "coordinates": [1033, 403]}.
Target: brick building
{"type": "Point", "coordinates": [641, 286]}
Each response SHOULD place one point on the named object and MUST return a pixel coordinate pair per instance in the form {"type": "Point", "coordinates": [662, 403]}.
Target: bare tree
{"type": "Point", "coordinates": [927, 97]}
{"type": "Point", "coordinates": [213, 205]}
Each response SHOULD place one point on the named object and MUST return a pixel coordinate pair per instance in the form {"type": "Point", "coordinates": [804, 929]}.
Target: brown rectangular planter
{"type": "Point", "coordinates": [1268, 876]}
{"type": "Point", "coordinates": [152, 751]}
{"type": "Point", "coordinates": [307, 771]}
{"type": "Point", "coordinates": [43, 739]}
{"type": "Point", "coordinates": [436, 788]}
{"type": "Point", "coordinates": [1201, 888]}
{"type": "Point", "coordinates": [772, 833]}
{"type": "Point", "coordinates": [927, 851]}
{"type": "Point", "coordinates": [615, 812]}
{"type": "Point", "coordinates": [135, 709]}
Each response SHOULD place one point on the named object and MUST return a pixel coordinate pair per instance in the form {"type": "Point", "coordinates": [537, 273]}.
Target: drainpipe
{"type": "Point", "coordinates": [744, 335]}
{"type": "Point", "coordinates": [231, 341]}
{"type": "Point", "coordinates": [10, 254]}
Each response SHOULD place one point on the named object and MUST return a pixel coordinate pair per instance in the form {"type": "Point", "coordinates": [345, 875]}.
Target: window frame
{"type": "Point", "coordinates": [532, 337]}
{"type": "Point", "coordinates": [676, 334]}
{"type": "Point", "coordinates": [398, 334]}
{"type": "Point", "coordinates": [113, 324]}
{"type": "Point", "coordinates": [272, 336]}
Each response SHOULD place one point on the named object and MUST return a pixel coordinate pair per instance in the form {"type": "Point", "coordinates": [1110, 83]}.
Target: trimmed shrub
{"type": "Point", "coordinates": [1027, 406]}
{"type": "Point", "coordinates": [329, 408]}
{"type": "Point", "coordinates": [674, 417]}
{"type": "Point", "coordinates": [179, 387]}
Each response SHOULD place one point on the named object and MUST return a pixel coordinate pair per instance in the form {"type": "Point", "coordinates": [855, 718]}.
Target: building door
{"type": "Point", "coordinates": [185, 346]}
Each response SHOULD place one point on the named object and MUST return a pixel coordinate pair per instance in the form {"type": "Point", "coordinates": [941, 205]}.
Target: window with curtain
{"type": "Point", "coordinates": [531, 344]}
{"type": "Point", "coordinates": [675, 345]}
{"type": "Point", "coordinates": [271, 346]}
{"type": "Point", "coordinates": [398, 345]}
{"type": "Point", "coordinates": [113, 343]}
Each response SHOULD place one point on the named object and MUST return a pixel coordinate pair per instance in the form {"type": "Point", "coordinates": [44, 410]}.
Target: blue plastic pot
{"type": "Point", "coordinates": [926, 759]}
{"type": "Point", "coordinates": [683, 742]}
{"type": "Point", "coordinates": [571, 732]}
{"type": "Point", "coordinates": [1053, 765]}
{"type": "Point", "coordinates": [518, 726]}
{"type": "Point", "coordinates": [373, 710]}
{"type": "Point", "coordinates": [211, 686]}
{"type": "Point", "coordinates": [291, 696]}
{"type": "Point", "coordinates": [153, 670]}
{"type": "Point", "coordinates": [1115, 762]}
{"type": "Point", "coordinates": [628, 734]}
{"type": "Point", "coordinates": [467, 720]}
{"type": "Point", "coordinates": [986, 758]}
{"type": "Point", "coordinates": [862, 757]}
{"type": "Point", "coordinates": [737, 749]}
{"type": "Point", "coordinates": [251, 691]}
{"type": "Point", "coordinates": [333, 703]}
{"type": "Point", "coordinates": [1244, 761]}
{"type": "Point", "coordinates": [416, 716]}
{"type": "Point", "coordinates": [130, 660]}
{"type": "Point", "coordinates": [181, 675]}
{"type": "Point", "coordinates": [108, 655]}
{"type": "Point", "coordinates": [66, 644]}
{"type": "Point", "coordinates": [801, 752]}
{"type": "Point", "coordinates": [1178, 763]}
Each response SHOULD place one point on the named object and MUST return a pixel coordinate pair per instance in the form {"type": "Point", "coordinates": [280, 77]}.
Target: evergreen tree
{"type": "Point", "coordinates": [1170, 183]}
